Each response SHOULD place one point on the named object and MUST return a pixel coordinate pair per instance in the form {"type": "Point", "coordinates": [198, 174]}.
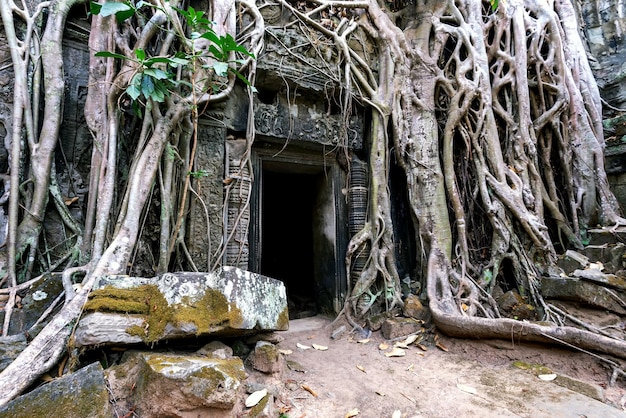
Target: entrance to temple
{"type": "Point", "coordinates": [298, 230]}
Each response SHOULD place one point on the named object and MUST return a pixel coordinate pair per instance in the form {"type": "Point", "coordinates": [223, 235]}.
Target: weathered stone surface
{"type": "Point", "coordinates": [588, 389]}
{"type": "Point", "coordinates": [266, 358]}
{"type": "Point", "coordinates": [80, 394]}
{"type": "Point", "coordinates": [573, 289]}
{"type": "Point", "coordinates": [413, 307]}
{"type": "Point", "coordinates": [611, 256]}
{"type": "Point", "coordinates": [185, 386]}
{"type": "Point", "coordinates": [216, 349]}
{"type": "Point", "coordinates": [264, 409]}
{"type": "Point", "coordinates": [597, 276]}
{"type": "Point", "coordinates": [375, 322]}
{"type": "Point", "coordinates": [39, 296]}
{"type": "Point", "coordinates": [228, 302]}
{"type": "Point", "coordinates": [10, 348]}
{"type": "Point", "coordinates": [398, 327]}
{"type": "Point", "coordinates": [572, 260]}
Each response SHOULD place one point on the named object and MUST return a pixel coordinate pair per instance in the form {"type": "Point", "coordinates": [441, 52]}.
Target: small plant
{"type": "Point", "coordinates": [154, 79]}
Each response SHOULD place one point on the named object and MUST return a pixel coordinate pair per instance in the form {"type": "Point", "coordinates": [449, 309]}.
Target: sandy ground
{"type": "Point", "coordinates": [488, 378]}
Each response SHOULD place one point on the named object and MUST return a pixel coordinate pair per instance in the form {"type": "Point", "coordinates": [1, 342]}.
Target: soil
{"type": "Point", "coordinates": [446, 377]}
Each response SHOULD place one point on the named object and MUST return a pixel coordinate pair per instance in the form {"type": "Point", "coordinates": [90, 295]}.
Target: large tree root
{"type": "Point", "coordinates": [448, 318]}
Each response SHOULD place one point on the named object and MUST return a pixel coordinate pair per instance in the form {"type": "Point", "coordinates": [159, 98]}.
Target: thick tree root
{"type": "Point", "coordinates": [449, 319]}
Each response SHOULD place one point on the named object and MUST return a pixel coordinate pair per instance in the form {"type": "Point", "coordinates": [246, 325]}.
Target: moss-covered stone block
{"type": "Point", "coordinates": [80, 394]}
{"type": "Point", "coordinates": [227, 302]}
{"type": "Point", "coordinates": [179, 385]}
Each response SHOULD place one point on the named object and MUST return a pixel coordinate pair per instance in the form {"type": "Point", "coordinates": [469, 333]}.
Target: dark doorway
{"type": "Point", "coordinates": [289, 201]}
{"type": "Point", "coordinates": [298, 229]}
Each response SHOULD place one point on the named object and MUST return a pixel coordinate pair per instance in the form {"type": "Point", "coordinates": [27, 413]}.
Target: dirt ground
{"type": "Point", "coordinates": [353, 376]}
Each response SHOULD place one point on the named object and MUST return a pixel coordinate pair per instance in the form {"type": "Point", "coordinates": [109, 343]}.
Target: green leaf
{"type": "Point", "coordinates": [107, 54]}
{"type": "Point", "coordinates": [178, 61]}
{"type": "Point", "coordinates": [494, 4]}
{"type": "Point", "coordinates": [211, 36]}
{"type": "Point", "coordinates": [140, 54]}
{"type": "Point", "coordinates": [147, 86]}
{"type": "Point", "coordinates": [113, 8]}
{"type": "Point", "coordinates": [155, 73]}
{"type": "Point", "coordinates": [94, 8]}
{"type": "Point", "coordinates": [244, 79]}
{"type": "Point", "coordinates": [133, 92]}
{"type": "Point", "coordinates": [220, 68]}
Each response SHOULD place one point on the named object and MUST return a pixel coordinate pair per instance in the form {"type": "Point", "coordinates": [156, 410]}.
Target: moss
{"type": "Point", "coordinates": [211, 311]}
{"type": "Point", "coordinates": [146, 300]}
{"type": "Point", "coordinates": [258, 408]}
{"type": "Point", "coordinates": [283, 320]}
{"type": "Point", "coordinates": [208, 312]}
{"type": "Point", "coordinates": [536, 369]}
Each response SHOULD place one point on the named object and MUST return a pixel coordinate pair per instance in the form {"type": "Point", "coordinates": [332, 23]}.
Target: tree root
{"type": "Point", "coordinates": [450, 321]}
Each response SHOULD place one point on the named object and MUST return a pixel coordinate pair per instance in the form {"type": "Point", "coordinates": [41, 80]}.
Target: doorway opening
{"type": "Point", "coordinates": [288, 210]}
{"type": "Point", "coordinates": [298, 233]}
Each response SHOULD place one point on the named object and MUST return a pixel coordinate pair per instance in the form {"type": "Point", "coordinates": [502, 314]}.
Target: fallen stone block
{"type": "Point", "coordinates": [227, 302]}
{"type": "Point", "coordinates": [168, 385]}
{"type": "Point", "coordinates": [578, 290]}
{"type": "Point", "coordinates": [266, 358]}
{"type": "Point", "coordinates": [10, 348]}
{"type": "Point", "coordinates": [399, 327]}
{"type": "Point", "coordinates": [413, 307]}
{"type": "Point", "coordinates": [80, 394]}
{"type": "Point", "coordinates": [572, 260]}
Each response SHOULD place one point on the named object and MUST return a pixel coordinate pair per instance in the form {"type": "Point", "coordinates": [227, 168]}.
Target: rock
{"type": "Point", "coordinates": [375, 322]}
{"type": "Point", "coordinates": [80, 394]}
{"type": "Point", "coordinates": [597, 276]}
{"type": "Point", "coordinates": [611, 256]}
{"type": "Point", "coordinates": [399, 327]}
{"type": "Point", "coordinates": [266, 358]}
{"type": "Point", "coordinates": [264, 409]}
{"type": "Point", "coordinates": [168, 385]}
{"type": "Point", "coordinates": [338, 332]}
{"type": "Point", "coordinates": [227, 302]}
{"type": "Point", "coordinates": [413, 308]}
{"type": "Point", "coordinates": [10, 348]}
{"type": "Point", "coordinates": [509, 300]}
{"type": "Point", "coordinates": [216, 349]}
{"type": "Point", "coordinates": [572, 260]}
{"type": "Point", "coordinates": [577, 290]}
{"type": "Point", "coordinates": [39, 296]}
{"type": "Point", "coordinates": [588, 389]}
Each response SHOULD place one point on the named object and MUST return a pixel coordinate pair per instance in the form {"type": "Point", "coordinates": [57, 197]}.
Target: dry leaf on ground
{"type": "Point", "coordinates": [467, 389]}
{"type": "Point", "coordinates": [255, 398]}
{"type": "Point", "coordinates": [302, 346]}
{"type": "Point", "coordinates": [352, 413]}
{"type": "Point", "coordinates": [396, 352]}
{"type": "Point", "coordinates": [319, 347]}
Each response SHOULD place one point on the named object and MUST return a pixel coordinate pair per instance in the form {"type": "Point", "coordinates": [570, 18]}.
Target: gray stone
{"type": "Point", "coordinates": [39, 296]}
{"type": "Point", "coordinates": [587, 389]}
{"type": "Point", "coordinates": [80, 394]}
{"type": "Point", "coordinates": [413, 307]}
{"type": "Point", "coordinates": [399, 327]}
{"type": "Point", "coordinates": [216, 349]}
{"type": "Point", "coordinates": [571, 261]}
{"type": "Point", "coordinates": [597, 276]}
{"type": "Point", "coordinates": [611, 256]}
{"type": "Point", "coordinates": [185, 386]}
{"type": "Point", "coordinates": [227, 302]}
{"type": "Point", "coordinates": [577, 290]}
{"type": "Point", "coordinates": [10, 348]}
{"type": "Point", "coordinates": [266, 358]}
